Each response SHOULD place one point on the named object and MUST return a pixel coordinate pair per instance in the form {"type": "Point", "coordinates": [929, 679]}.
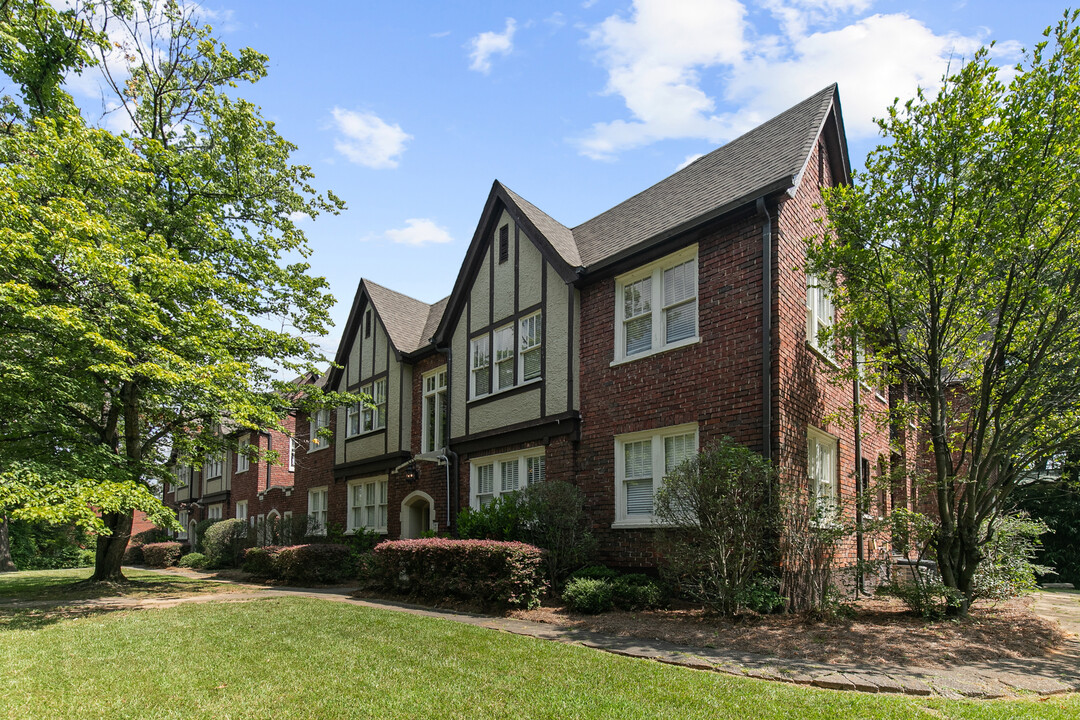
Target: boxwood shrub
{"type": "Point", "coordinates": [192, 560]}
{"type": "Point", "coordinates": [259, 561]}
{"type": "Point", "coordinates": [597, 589]}
{"type": "Point", "coordinates": [224, 543]}
{"type": "Point", "coordinates": [307, 564]}
{"type": "Point", "coordinates": [162, 554]}
{"type": "Point", "coordinates": [490, 572]}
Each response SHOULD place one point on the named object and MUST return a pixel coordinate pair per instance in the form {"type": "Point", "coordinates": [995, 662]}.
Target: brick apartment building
{"type": "Point", "coordinates": [602, 354]}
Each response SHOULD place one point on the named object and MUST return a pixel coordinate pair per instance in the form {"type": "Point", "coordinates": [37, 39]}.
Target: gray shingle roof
{"type": "Point", "coordinates": [560, 236]}
{"type": "Point", "coordinates": [434, 318]}
{"type": "Point", "coordinates": [405, 318]}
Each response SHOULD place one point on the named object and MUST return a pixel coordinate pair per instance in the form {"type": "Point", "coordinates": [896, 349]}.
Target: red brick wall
{"type": "Point", "coordinates": [432, 476]}
{"type": "Point", "coordinates": [315, 469]}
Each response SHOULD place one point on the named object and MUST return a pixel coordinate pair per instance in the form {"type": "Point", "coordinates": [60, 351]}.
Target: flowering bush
{"type": "Point", "coordinates": [162, 554]}
{"type": "Point", "coordinates": [487, 571]}
{"type": "Point", "coordinates": [304, 564]}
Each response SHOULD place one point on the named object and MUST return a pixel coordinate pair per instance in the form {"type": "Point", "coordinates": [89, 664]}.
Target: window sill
{"type": "Point", "coordinates": [673, 346]}
{"type": "Point", "coordinates": [821, 354]}
{"type": "Point", "coordinates": [317, 449]}
{"type": "Point", "coordinates": [520, 387]}
{"type": "Point", "coordinates": [635, 524]}
{"type": "Point", "coordinates": [365, 433]}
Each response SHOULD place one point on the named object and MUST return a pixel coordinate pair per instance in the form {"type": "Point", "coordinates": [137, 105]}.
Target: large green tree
{"type": "Point", "coordinates": [154, 281]}
{"type": "Point", "coordinates": [955, 255]}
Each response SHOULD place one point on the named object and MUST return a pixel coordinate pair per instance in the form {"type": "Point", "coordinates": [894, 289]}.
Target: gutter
{"type": "Point", "coordinates": [766, 329]}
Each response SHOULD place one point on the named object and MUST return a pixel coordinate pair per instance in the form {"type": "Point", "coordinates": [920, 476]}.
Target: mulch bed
{"type": "Point", "coordinates": [872, 631]}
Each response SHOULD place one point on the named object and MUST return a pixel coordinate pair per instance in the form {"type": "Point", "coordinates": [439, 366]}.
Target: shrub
{"type": "Point", "coordinates": [588, 595]}
{"type": "Point", "coordinates": [1007, 570]}
{"type": "Point", "coordinates": [134, 555]}
{"type": "Point", "coordinates": [306, 564]}
{"type": "Point", "coordinates": [552, 517]}
{"type": "Point", "coordinates": [153, 535]}
{"type": "Point", "coordinates": [279, 532]}
{"type": "Point", "coordinates": [200, 531]}
{"type": "Point", "coordinates": [489, 572]}
{"type": "Point", "coordinates": [38, 545]}
{"type": "Point", "coordinates": [500, 520]}
{"type": "Point", "coordinates": [161, 554]}
{"type": "Point", "coordinates": [810, 533]}
{"type": "Point", "coordinates": [224, 543]}
{"type": "Point", "coordinates": [192, 560]}
{"type": "Point", "coordinates": [596, 572]}
{"type": "Point", "coordinates": [1058, 505]}
{"type": "Point", "coordinates": [719, 522]}
{"type": "Point", "coordinates": [259, 561]}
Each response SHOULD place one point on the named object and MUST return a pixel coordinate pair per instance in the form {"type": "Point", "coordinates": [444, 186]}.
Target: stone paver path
{"type": "Point", "coordinates": [1058, 673]}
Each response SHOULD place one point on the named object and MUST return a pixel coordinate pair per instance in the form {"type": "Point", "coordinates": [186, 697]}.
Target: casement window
{"type": "Point", "coordinates": [530, 333]}
{"type": "Point", "coordinates": [241, 510]}
{"type": "Point", "coordinates": [242, 461]}
{"type": "Point", "coordinates": [822, 468]}
{"type": "Point", "coordinates": [183, 519]}
{"type": "Point", "coordinates": [480, 376]}
{"type": "Point", "coordinates": [183, 475]}
{"type": "Point", "coordinates": [319, 420]}
{"type": "Point", "coordinates": [368, 505]}
{"type": "Point", "coordinates": [214, 512]}
{"type": "Point", "coordinates": [317, 510]}
{"type": "Point", "coordinates": [373, 416]}
{"type": "Point", "coordinates": [213, 467]}
{"type": "Point", "coordinates": [819, 314]}
{"type": "Point", "coordinates": [495, 475]}
{"type": "Point", "coordinates": [292, 454]}
{"type": "Point", "coordinates": [504, 357]}
{"type": "Point", "coordinates": [642, 461]}
{"type": "Point", "coordinates": [435, 427]}
{"type": "Point", "coordinates": [656, 306]}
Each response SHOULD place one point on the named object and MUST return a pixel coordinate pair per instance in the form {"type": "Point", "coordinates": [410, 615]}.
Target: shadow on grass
{"type": "Point", "coordinates": [17, 620]}
{"type": "Point", "coordinates": [70, 585]}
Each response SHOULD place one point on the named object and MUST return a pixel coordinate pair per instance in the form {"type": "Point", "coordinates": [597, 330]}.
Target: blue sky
{"type": "Point", "coordinates": [409, 110]}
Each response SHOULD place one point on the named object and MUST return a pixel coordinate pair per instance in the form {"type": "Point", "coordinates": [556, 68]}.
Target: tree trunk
{"type": "Point", "coordinates": [111, 548]}
{"type": "Point", "coordinates": [6, 564]}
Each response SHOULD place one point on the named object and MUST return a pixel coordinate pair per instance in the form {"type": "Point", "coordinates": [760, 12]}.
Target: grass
{"type": "Point", "coordinates": [306, 658]}
{"type": "Point", "coordinates": [64, 585]}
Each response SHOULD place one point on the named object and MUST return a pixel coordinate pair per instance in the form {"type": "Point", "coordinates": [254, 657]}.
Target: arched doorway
{"type": "Point", "coordinates": [417, 512]}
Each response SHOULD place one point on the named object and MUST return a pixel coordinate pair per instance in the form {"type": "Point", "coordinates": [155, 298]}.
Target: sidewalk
{"type": "Point", "coordinates": [1058, 673]}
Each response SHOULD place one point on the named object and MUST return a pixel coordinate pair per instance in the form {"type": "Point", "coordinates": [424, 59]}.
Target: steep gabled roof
{"type": "Point", "coordinates": [560, 237]}
{"type": "Point", "coordinates": [403, 317]}
{"type": "Point", "coordinates": [771, 156]}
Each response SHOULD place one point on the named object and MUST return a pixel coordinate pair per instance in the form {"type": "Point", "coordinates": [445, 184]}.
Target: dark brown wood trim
{"type": "Point", "coordinates": [543, 339]}
{"type": "Point", "coordinates": [384, 374]}
{"type": "Point", "coordinates": [361, 436]}
{"type": "Point", "coordinates": [401, 407]}
{"type": "Point", "coordinates": [386, 436]}
{"type": "Point", "coordinates": [381, 463]}
{"type": "Point", "coordinates": [468, 360]}
{"type": "Point", "coordinates": [491, 283]}
{"type": "Point", "coordinates": [570, 349]}
{"type": "Point", "coordinates": [475, 333]}
{"type": "Point", "coordinates": [517, 389]}
{"type": "Point", "coordinates": [562, 424]}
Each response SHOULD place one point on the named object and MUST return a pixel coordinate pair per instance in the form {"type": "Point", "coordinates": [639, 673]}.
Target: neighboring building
{"type": "Point", "coordinates": [602, 354]}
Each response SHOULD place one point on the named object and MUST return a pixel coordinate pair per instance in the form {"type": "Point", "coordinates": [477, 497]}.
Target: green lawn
{"type": "Point", "coordinates": [62, 585]}
{"type": "Point", "coordinates": [305, 658]}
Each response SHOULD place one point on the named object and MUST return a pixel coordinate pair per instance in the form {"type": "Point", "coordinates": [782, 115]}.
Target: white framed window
{"type": "Point", "coordinates": [214, 512]}
{"type": "Point", "coordinates": [352, 420]}
{"type": "Point", "coordinates": [504, 357]}
{"type": "Point", "coordinates": [292, 454]}
{"type": "Point", "coordinates": [317, 510]}
{"type": "Point", "coordinates": [373, 416]}
{"type": "Point", "coordinates": [820, 314]}
{"type": "Point", "coordinates": [242, 461]}
{"type": "Point", "coordinates": [822, 468]}
{"type": "Point", "coordinates": [318, 420]}
{"type": "Point", "coordinates": [213, 467]}
{"type": "Point", "coordinates": [242, 510]}
{"type": "Point", "coordinates": [642, 461]}
{"type": "Point", "coordinates": [183, 516]}
{"type": "Point", "coordinates": [495, 475]}
{"type": "Point", "coordinates": [368, 504]}
{"type": "Point", "coordinates": [480, 364]}
{"type": "Point", "coordinates": [183, 475]}
{"type": "Point", "coordinates": [656, 306]}
{"type": "Point", "coordinates": [435, 426]}
{"type": "Point", "coordinates": [530, 336]}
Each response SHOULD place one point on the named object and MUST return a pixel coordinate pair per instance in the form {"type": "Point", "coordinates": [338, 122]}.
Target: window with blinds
{"type": "Point", "coordinates": [481, 366]}
{"type": "Point", "coordinates": [505, 474]}
{"type": "Point", "coordinates": [317, 510]}
{"type": "Point", "coordinates": [642, 461]}
{"type": "Point", "coordinates": [530, 334]}
{"type": "Point", "coordinates": [504, 357]}
{"type": "Point", "coordinates": [656, 306]}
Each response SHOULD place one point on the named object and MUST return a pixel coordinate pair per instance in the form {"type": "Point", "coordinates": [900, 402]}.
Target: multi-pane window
{"type": "Point", "coordinates": [317, 510]}
{"type": "Point", "coordinates": [368, 505]}
{"type": "Point", "coordinates": [213, 466]}
{"type": "Point", "coordinates": [501, 474]}
{"type": "Point", "coordinates": [369, 417]}
{"type": "Point", "coordinates": [821, 468]}
{"type": "Point", "coordinates": [504, 357]}
{"type": "Point", "coordinates": [292, 454]}
{"type": "Point", "coordinates": [435, 424]}
{"type": "Point", "coordinates": [241, 509]}
{"type": "Point", "coordinates": [242, 462]}
{"type": "Point", "coordinates": [213, 512]}
{"type": "Point", "coordinates": [352, 419]}
{"type": "Point", "coordinates": [530, 332]}
{"type": "Point", "coordinates": [319, 420]}
{"type": "Point", "coordinates": [480, 353]}
{"type": "Point", "coordinates": [656, 306]}
{"type": "Point", "coordinates": [183, 518]}
{"type": "Point", "coordinates": [183, 475]}
{"type": "Point", "coordinates": [642, 461]}
{"type": "Point", "coordinates": [819, 313]}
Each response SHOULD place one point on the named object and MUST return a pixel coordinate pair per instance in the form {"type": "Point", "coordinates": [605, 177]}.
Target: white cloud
{"type": "Point", "coordinates": [419, 231]}
{"type": "Point", "coordinates": [486, 44]}
{"type": "Point", "coordinates": [689, 159]}
{"type": "Point", "coordinates": [366, 139]}
{"type": "Point", "coordinates": [659, 58]}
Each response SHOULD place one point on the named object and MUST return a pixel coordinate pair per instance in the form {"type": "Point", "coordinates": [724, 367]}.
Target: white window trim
{"type": "Point", "coordinates": [350, 526]}
{"type": "Point", "coordinates": [316, 422]}
{"type": "Point", "coordinates": [485, 338]}
{"type": "Point", "coordinates": [622, 520]}
{"type": "Point", "coordinates": [215, 512]}
{"type": "Point", "coordinates": [243, 464]}
{"type": "Point", "coordinates": [656, 271]}
{"type": "Point", "coordinates": [433, 396]}
{"type": "Point", "coordinates": [325, 511]}
{"type": "Point", "coordinates": [292, 454]}
{"type": "Point", "coordinates": [511, 359]}
{"type": "Point", "coordinates": [183, 517]}
{"type": "Point", "coordinates": [539, 347]}
{"type": "Point", "coordinates": [213, 467]}
{"type": "Point", "coordinates": [244, 505]}
{"type": "Point", "coordinates": [362, 409]}
{"type": "Point", "coordinates": [815, 289]}
{"type": "Point", "coordinates": [521, 456]}
{"type": "Point", "coordinates": [820, 437]}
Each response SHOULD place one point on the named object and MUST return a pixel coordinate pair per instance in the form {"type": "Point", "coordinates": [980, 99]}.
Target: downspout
{"type": "Point", "coordinates": [446, 457]}
{"type": "Point", "coordinates": [856, 413]}
{"type": "Point", "coordinates": [269, 447]}
{"type": "Point", "coordinates": [766, 329]}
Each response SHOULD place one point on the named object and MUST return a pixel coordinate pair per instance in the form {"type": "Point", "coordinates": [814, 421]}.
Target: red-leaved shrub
{"type": "Point", "coordinates": [162, 554]}
{"type": "Point", "coordinates": [487, 571]}
{"type": "Point", "coordinates": [305, 564]}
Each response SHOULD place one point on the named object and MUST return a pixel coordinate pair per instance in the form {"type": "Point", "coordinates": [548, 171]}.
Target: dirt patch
{"type": "Point", "coordinates": [876, 631]}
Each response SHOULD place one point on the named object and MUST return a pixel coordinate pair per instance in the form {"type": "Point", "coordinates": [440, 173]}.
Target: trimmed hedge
{"type": "Point", "coordinates": [224, 543]}
{"type": "Point", "coordinates": [134, 555]}
{"type": "Point", "coordinates": [192, 560]}
{"type": "Point", "coordinates": [486, 571]}
{"type": "Point", "coordinates": [259, 561]}
{"type": "Point", "coordinates": [162, 554]}
{"type": "Point", "coordinates": [305, 564]}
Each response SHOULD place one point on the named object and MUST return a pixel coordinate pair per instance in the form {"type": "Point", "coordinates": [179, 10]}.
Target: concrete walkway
{"type": "Point", "coordinates": [1058, 673]}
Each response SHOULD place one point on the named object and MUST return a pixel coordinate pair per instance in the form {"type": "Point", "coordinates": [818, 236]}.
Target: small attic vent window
{"type": "Point", "coordinates": [821, 164]}
{"type": "Point", "coordinates": [367, 324]}
{"type": "Point", "coordinates": [504, 244]}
